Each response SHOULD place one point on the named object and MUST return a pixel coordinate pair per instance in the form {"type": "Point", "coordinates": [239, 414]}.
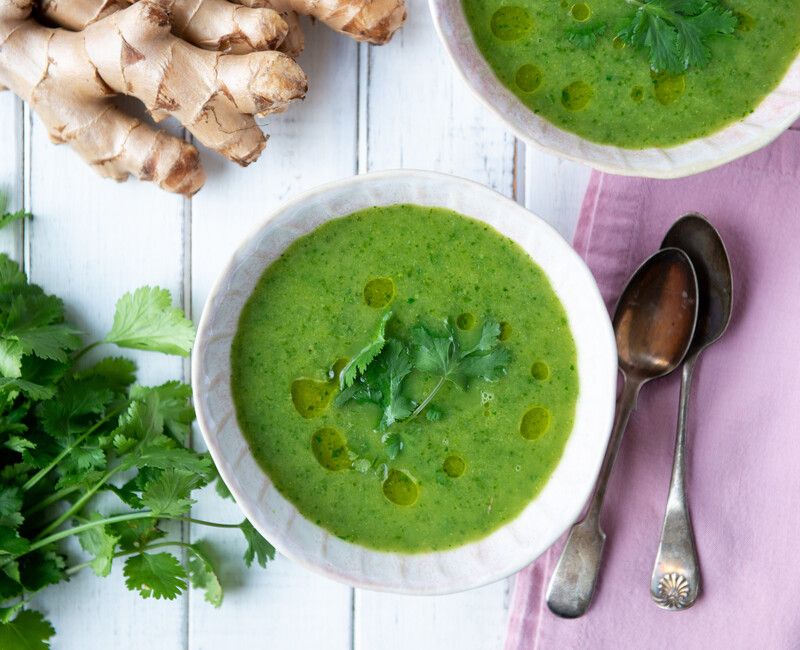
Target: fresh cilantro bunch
{"type": "Point", "coordinates": [675, 32]}
{"type": "Point", "coordinates": [377, 374]}
{"type": "Point", "coordinates": [70, 432]}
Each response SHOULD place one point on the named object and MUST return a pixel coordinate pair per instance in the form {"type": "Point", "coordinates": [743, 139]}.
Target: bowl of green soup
{"type": "Point", "coordinates": [407, 381]}
{"type": "Point", "coordinates": [657, 89]}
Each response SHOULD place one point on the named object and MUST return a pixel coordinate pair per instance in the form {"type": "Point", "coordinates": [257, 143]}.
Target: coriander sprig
{"type": "Point", "coordinates": [675, 32]}
{"type": "Point", "coordinates": [440, 354]}
{"type": "Point", "coordinates": [70, 431]}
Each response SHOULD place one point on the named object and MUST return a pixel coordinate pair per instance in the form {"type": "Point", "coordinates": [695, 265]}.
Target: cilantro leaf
{"type": "Point", "coordinates": [585, 36]}
{"type": "Point", "coordinates": [11, 543]}
{"type": "Point", "coordinates": [258, 548]}
{"type": "Point", "coordinates": [40, 569]}
{"type": "Point", "coordinates": [177, 458]}
{"type": "Point", "coordinates": [441, 355]}
{"type": "Point", "coordinates": [10, 273]}
{"type": "Point", "coordinates": [9, 580]}
{"type": "Point", "coordinates": [78, 403]}
{"type": "Point", "coordinates": [433, 413]}
{"type": "Point", "coordinates": [10, 357]}
{"type": "Point", "coordinates": [713, 19]}
{"type": "Point", "coordinates": [35, 321]}
{"type": "Point", "coordinates": [360, 362]}
{"type": "Point", "coordinates": [675, 31]}
{"type": "Point", "coordinates": [10, 507]}
{"type": "Point", "coordinates": [221, 489]}
{"type": "Point", "coordinates": [393, 444]}
{"type": "Point", "coordinates": [30, 630]}
{"type": "Point", "coordinates": [156, 575]}
{"type": "Point", "coordinates": [100, 543]}
{"type": "Point", "coordinates": [30, 389]}
{"type": "Point", "coordinates": [489, 337]}
{"type": "Point", "coordinates": [19, 444]}
{"type": "Point", "coordinates": [115, 373]}
{"type": "Point", "coordinates": [202, 574]}
{"type": "Point", "coordinates": [394, 366]}
{"type": "Point", "coordinates": [146, 320]}
{"type": "Point", "coordinates": [136, 534]}
{"type": "Point", "coordinates": [435, 353]}
{"type": "Point", "coordinates": [174, 406]}
{"type": "Point", "coordinates": [490, 366]}
{"type": "Point", "coordinates": [7, 218]}
{"type": "Point", "coordinates": [139, 425]}
{"type": "Point", "coordinates": [382, 384]}
{"type": "Point", "coordinates": [168, 494]}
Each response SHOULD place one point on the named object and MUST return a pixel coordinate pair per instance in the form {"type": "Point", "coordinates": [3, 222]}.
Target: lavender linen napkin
{"type": "Point", "coordinates": [744, 427]}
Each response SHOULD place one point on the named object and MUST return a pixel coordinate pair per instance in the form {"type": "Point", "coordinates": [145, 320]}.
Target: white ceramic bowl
{"type": "Point", "coordinates": [502, 552]}
{"type": "Point", "coordinates": [773, 115]}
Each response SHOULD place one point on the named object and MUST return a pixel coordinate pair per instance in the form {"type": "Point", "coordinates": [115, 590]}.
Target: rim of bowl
{"type": "Point", "coordinates": [476, 563]}
{"type": "Point", "coordinates": [776, 112]}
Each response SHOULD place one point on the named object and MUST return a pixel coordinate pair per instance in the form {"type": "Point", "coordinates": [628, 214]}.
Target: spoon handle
{"type": "Point", "coordinates": [676, 575]}
{"type": "Point", "coordinates": [575, 577]}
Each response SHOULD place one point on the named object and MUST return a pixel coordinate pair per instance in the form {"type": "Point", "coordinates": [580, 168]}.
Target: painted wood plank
{"type": "Point", "coordinates": [469, 620]}
{"type": "Point", "coordinates": [419, 114]}
{"type": "Point", "coordinates": [11, 167]}
{"type": "Point", "coordinates": [283, 607]}
{"type": "Point", "coordinates": [554, 189]}
{"type": "Point", "coordinates": [91, 240]}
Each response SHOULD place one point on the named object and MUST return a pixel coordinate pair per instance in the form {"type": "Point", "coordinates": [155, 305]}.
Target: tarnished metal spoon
{"type": "Point", "coordinates": [654, 323]}
{"type": "Point", "coordinates": [676, 575]}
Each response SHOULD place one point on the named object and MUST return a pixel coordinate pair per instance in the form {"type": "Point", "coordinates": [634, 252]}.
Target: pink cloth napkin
{"type": "Point", "coordinates": [744, 427]}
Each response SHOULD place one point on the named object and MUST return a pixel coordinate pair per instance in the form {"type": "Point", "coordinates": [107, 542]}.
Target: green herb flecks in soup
{"type": "Point", "coordinates": [638, 73]}
{"type": "Point", "coordinates": [406, 377]}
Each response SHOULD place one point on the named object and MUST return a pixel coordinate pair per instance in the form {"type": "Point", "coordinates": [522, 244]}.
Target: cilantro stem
{"type": "Point", "coordinates": [145, 514]}
{"type": "Point", "coordinates": [76, 507]}
{"type": "Point", "coordinates": [53, 498]}
{"type": "Point", "coordinates": [33, 480]}
{"type": "Point", "coordinates": [88, 348]}
{"type": "Point", "coordinates": [428, 398]}
{"type": "Point", "coordinates": [79, 567]}
{"type": "Point", "coordinates": [203, 522]}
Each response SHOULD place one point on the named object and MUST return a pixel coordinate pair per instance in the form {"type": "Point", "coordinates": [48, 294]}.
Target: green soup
{"type": "Point", "coordinates": [496, 443]}
{"type": "Point", "coordinates": [606, 92]}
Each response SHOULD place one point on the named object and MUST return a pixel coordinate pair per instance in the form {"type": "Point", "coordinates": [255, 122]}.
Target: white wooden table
{"type": "Point", "coordinates": [367, 109]}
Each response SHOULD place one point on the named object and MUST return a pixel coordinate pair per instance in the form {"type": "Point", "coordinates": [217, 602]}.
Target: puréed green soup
{"type": "Point", "coordinates": [606, 92]}
{"type": "Point", "coordinates": [432, 484]}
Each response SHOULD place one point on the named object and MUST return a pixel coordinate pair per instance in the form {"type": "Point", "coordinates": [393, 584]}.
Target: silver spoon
{"type": "Point", "coordinates": [676, 574]}
{"type": "Point", "coordinates": [653, 323]}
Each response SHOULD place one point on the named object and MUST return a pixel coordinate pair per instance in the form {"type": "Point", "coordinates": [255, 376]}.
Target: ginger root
{"type": "Point", "coordinates": [212, 64]}
{"type": "Point", "coordinates": [216, 24]}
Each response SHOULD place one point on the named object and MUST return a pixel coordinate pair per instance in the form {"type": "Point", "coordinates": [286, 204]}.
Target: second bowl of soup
{"type": "Point", "coordinates": [577, 78]}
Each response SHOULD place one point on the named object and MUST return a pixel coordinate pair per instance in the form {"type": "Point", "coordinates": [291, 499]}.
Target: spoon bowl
{"type": "Point", "coordinates": [695, 236]}
{"type": "Point", "coordinates": [655, 316]}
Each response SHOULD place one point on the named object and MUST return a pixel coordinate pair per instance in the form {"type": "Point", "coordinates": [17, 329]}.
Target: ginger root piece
{"type": "Point", "coordinates": [210, 24]}
{"type": "Point", "coordinates": [69, 78]}
{"type": "Point", "coordinates": [374, 21]}
{"type": "Point", "coordinates": [218, 24]}
{"type": "Point", "coordinates": [295, 40]}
